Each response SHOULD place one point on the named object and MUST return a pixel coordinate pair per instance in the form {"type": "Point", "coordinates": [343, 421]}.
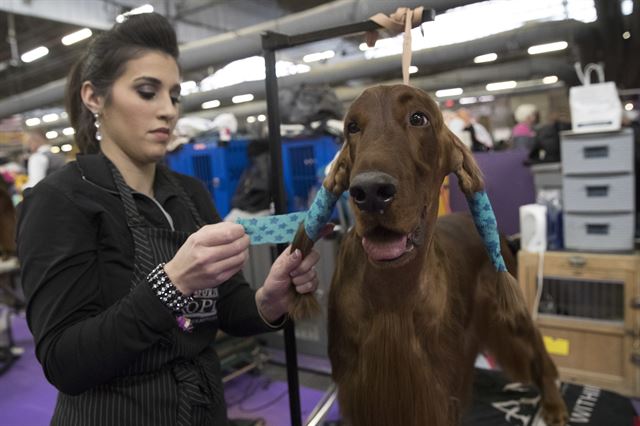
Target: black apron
{"type": "Point", "coordinates": [176, 382]}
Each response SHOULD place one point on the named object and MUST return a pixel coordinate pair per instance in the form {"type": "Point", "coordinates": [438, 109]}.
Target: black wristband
{"type": "Point", "coordinates": [166, 290]}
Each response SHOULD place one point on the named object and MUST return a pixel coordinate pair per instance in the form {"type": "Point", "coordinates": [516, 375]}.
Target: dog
{"type": "Point", "coordinates": [415, 298]}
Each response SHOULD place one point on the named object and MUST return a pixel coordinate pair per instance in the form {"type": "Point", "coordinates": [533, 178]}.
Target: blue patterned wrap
{"type": "Point", "coordinates": [319, 213]}
{"type": "Point", "coordinates": [276, 229]}
{"type": "Point", "coordinates": [487, 227]}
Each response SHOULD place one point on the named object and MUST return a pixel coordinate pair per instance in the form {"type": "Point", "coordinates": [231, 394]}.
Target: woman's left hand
{"type": "Point", "coordinates": [274, 297]}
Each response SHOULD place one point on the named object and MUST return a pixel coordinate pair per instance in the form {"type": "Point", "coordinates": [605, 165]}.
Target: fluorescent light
{"type": "Point", "coordinates": [413, 69]}
{"type": "Point", "coordinates": [238, 99]}
{"type": "Point", "coordinates": [188, 87]}
{"type": "Point", "coordinates": [55, 149]}
{"type": "Point", "coordinates": [251, 119]}
{"type": "Point", "coordinates": [548, 47]}
{"type": "Point", "coordinates": [501, 85]}
{"type": "Point", "coordinates": [64, 114]}
{"type": "Point", "coordinates": [51, 134]}
{"type": "Point", "coordinates": [34, 54]}
{"type": "Point", "coordinates": [628, 106]}
{"type": "Point", "coordinates": [489, 57]}
{"type": "Point", "coordinates": [550, 79]}
{"type": "Point", "coordinates": [145, 8]}
{"type": "Point", "coordinates": [76, 37]}
{"type": "Point", "coordinates": [262, 117]}
{"type": "Point", "coordinates": [66, 147]}
{"type": "Point", "coordinates": [487, 98]}
{"type": "Point", "coordinates": [468, 100]}
{"type": "Point", "coordinates": [449, 92]}
{"type": "Point", "coordinates": [319, 56]}
{"type": "Point", "coordinates": [626, 35]}
{"type": "Point", "coordinates": [50, 118]}
{"type": "Point", "coordinates": [33, 121]}
{"type": "Point", "coordinates": [626, 6]}
{"type": "Point", "coordinates": [210, 104]}
{"type": "Point", "coordinates": [68, 131]}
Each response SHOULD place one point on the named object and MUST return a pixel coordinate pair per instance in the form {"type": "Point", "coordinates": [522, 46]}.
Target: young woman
{"type": "Point", "coordinates": [127, 268]}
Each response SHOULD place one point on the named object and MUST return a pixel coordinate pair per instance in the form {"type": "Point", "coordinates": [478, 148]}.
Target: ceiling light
{"type": "Point", "coordinates": [487, 98]}
{"type": "Point", "coordinates": [319, 56]}
{"type": "Point", "coordinates": [628, 106]}
{"type": "Point", "coordinates": [55, 149]}
{"type": "Point", "coordinates": [468, 100]}
{"type": "Point", "coordinates": [238, 99]}
{"type": "Point", "coordinates": [501, 85]}
{"type": "Point", "coordinates": [145, 8]}
{"type": "Point", "coordinates": [210, 104]}
{"type": "Point", "coordinates": [68, 131]}
{"type": "Point", "coordinates": [188, 87]}
{"type": "Point", "coordinates": [76, 37]}
{"type": "Point", "coordinates": [413, 69]}
{"type": "Point", "coordinates": [626, 35]}
{"type": "Point", "coordinates": [548, 47]}
{"type": "Point", "coordinates": [449, 92]}
{"type": "Point", "coordinates": [489, 57]}
{"type": "Point", "coordinates": [262, 117]}
{"type": "Point", "coordinates": [33, 121]}
{"type": "Point", "coordinates": [51, 134]}
{"type": "Point", "coordinates": [626, 6]}
{"type": "Point", "coordinates": [550, 79]}
{"type": "Point", "coordinates": [251, 119]}
{"type": "Point", "coordinates": [66, 147]}
{"type": "Point", "coordinates": [34, 54]}
{"type": "Point", "coordinates": [50, 118]}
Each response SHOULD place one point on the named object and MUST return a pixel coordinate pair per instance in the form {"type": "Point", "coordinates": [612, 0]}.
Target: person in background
{"type": "Point", "coordinates": [41, 161]}
{"type": "Point", "coordinates": [523, 133]}
{"type": "Point", "coordinates": [127, 268]}
{"type": "Point", "coordinates": [481, 139]}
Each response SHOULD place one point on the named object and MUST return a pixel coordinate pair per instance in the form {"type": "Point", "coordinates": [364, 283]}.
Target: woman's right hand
{"type": "Point", "coordinates": [209, 257]}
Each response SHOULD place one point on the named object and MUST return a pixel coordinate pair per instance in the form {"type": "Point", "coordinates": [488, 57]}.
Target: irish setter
{"type": "Point", "coordinates": [414, 298]}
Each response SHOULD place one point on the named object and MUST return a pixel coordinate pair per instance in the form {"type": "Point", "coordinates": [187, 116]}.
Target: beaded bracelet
{"type": "Point", "coordinates": [166, 290]}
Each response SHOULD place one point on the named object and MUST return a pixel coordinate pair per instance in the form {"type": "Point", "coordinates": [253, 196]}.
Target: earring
{"type": "Point", "coordinates": [96, 123]}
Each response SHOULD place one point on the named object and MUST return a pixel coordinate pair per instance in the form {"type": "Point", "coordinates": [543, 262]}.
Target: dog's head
{"type": "Point", "coordinates": [396, 154]}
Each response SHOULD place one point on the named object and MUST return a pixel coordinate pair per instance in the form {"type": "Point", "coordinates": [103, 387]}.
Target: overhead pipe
{"type": "Point", "coordinates": [244, 42]}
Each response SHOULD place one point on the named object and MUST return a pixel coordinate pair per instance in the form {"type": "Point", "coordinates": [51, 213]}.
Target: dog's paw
{"type": "Point", "coordinates": [554, 413]}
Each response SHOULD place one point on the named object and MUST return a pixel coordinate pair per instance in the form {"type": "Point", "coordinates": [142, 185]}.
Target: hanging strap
{"type": "Point", "coordinates": [402, 20]}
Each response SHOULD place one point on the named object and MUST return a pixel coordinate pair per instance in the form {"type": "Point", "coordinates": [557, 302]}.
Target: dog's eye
{"type": "Point", "coordinates": [418, 119]}
{"type": "Point", "coordinates": [352, 127]}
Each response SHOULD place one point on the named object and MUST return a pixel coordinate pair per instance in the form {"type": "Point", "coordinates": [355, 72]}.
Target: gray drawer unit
{"type": "Point", "coordinates": [594, 153]}
{"type": "Point", "coordinates": [599, 193]}
{"type": "Point", "coordinates": [599, 232]}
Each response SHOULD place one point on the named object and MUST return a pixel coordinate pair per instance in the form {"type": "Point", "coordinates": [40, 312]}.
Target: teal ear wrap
{"type": "Point", "coordinates": [487, 226]}
{"type": "Point", "coordinates": [282, 228]}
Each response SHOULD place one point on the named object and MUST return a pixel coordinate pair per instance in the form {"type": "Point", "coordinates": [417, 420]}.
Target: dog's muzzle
{"type": "Point", "coordinates": [373, 191]}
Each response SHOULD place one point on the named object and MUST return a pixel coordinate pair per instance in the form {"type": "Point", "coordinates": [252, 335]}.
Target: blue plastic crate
{"type": "Point", "coordinates": [303, 162]}
{"type": "Point", "coordinates": [218, 167]}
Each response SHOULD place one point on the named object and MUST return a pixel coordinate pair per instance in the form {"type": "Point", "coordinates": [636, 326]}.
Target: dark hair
{"type": "Point", "coordinates": [105, 61]}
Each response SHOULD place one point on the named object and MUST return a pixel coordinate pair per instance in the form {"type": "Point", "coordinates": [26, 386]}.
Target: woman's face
{"type": "Point", "coordinates": [143, 110]}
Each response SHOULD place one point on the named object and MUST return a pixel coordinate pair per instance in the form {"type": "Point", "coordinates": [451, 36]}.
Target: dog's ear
{"type": "Point", "coordinates": [461, 163]}
{"type": "Point", "coordinates": [337, 181]}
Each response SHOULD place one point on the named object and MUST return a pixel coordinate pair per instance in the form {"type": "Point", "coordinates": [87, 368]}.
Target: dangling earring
{"type": "Point", "coordinates": [96, 123]}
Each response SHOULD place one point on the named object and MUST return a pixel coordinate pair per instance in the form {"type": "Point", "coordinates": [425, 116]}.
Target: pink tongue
{"type": "Point", "coordinates": [385, 250]}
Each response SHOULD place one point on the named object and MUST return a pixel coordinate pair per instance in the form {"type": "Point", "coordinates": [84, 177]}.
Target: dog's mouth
{"type": "Point", "coordinates": [385, 245]}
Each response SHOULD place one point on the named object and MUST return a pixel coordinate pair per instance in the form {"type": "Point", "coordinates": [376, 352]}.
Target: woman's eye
{"type": "Point", "coordinates": [175, 100]}
{"type": "Point", "coordinates": [418, 119]}
{"type": "Point", "coordinates": [145, 94]}
{"type": "Point", "coordinates": [352, 127]}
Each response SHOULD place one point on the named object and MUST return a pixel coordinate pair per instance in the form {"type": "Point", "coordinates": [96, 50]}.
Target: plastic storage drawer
{"type": "Point", "coordinates": [599, 232]}
{"type": "Point", "coordinates": [593, 193]}
{"type": "Point", "coordinates": [597, 153]}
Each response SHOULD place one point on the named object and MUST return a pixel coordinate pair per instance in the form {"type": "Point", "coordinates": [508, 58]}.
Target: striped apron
{"type": "Point", "coordinates": [176, 382]}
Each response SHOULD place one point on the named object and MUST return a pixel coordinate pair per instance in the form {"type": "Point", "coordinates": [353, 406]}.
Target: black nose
{"type": "Point", "coordinates": [373, 191]}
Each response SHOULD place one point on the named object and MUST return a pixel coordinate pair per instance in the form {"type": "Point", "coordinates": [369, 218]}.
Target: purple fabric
{"type": "Point", "coordinates": [508, 182]}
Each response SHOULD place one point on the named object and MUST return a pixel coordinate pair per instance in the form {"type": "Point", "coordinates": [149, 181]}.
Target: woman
{"type": "Point", "coordinates": [127, 268]}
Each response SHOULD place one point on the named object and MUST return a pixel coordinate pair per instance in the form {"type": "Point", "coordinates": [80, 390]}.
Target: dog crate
{"type": "Point", "coordinates": [588, 315]}
{"type": "Point", "coordinates": [304, 161]}
{"type": "Point", "coordinates": [218, 166]}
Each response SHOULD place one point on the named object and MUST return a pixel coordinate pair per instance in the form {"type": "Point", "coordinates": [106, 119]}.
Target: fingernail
{"type": "Point", "coordinates": [296, 254]}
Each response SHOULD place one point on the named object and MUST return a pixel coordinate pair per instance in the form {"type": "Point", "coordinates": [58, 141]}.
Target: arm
{"type": "Point", "coordinates": [81, 342]}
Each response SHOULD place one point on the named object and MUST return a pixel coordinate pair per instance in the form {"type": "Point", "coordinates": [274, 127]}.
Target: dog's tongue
{"type": "Point", "coordinates": [386, 250]}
